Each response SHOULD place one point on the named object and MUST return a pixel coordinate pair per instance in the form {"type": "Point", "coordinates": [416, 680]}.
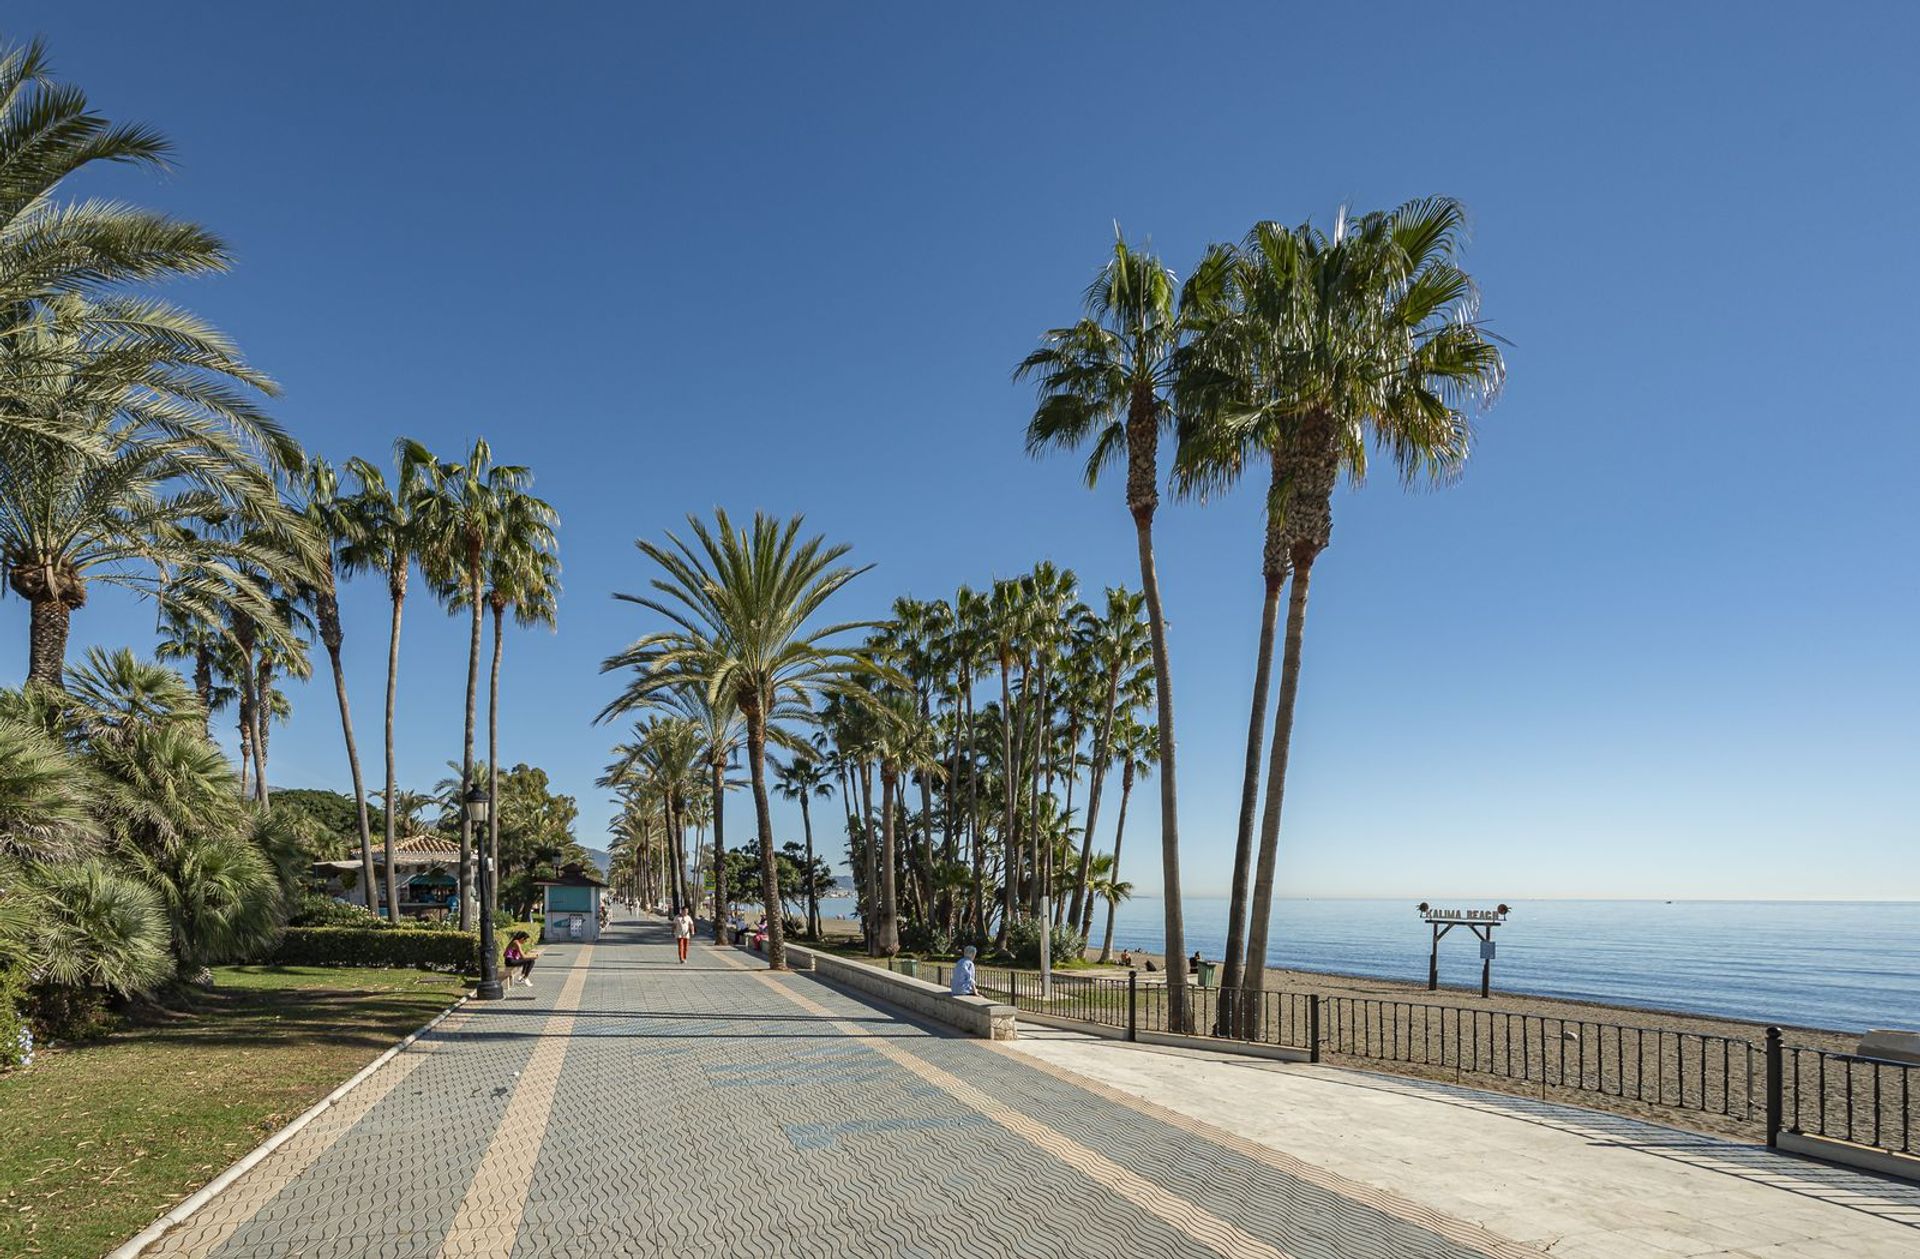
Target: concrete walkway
{"type": "Point", "coordinates": [632, 1105]}
{"type": "Point", "coordinates": [1572, 1182]}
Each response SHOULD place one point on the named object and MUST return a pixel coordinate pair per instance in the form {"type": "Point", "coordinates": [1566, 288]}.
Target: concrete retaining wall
{"type": "Point", "coordinates": [976, 1016]}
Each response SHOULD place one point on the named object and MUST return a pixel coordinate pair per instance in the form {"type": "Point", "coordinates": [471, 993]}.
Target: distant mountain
{"type": "Point", "coordinates": [602, 859]}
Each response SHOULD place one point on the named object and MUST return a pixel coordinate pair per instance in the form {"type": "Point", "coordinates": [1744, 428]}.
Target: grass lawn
{"type": "Point", "coordinates": [96, 1140]}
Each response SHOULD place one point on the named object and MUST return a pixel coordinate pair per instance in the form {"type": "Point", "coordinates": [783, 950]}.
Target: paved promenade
{"type": "Point", "coordinates": [630, 1105]}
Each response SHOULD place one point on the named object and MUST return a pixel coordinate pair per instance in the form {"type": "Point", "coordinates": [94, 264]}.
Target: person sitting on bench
{"type": "Point", "coordinates": [517, 955]}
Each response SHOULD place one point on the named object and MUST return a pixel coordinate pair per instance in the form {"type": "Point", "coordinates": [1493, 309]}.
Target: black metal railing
{"type": "Point", "coordinates": [1846, 1097]}
{"type": "Point", "coordinates": [1654, 1066]}
{"type": "Point", "coordinates": [1774, 1087]}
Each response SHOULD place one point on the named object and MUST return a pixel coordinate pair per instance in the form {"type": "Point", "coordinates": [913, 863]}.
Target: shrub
{"type": "Point", "coordinates": [315, 910]}
{"type": "Point", "coordinates": [425, 948]}
{"type": "Point", "coordinates": [1023, 940]}
{"type": "Point", "coordinates": [16, 1033]}
{"type": "Point", "coordinates": [920, 937]}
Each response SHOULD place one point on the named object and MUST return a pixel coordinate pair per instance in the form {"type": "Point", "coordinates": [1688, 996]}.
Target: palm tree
{"type": "Point", "coordinates": [1106, 379]}
{"type": "Point", "coordinates": [43, 798]}
{"type": "Point", "coordinates": [804, 778]}
{"type": "Point", "coordinates": [1110, 887]}
{"type": "Point", "coordinates": [1117, 643]}
{"type": "Point", "coordinates": [332, 520]}
{"type": "Point", "coordinates": [523, 573]}
{"type": "Point", "coordinates": [662, 763]}
{"type": "Point", "coordinates": [151, 434]}
{"type": "Point", "coordinates": [387, 538]}
{"type": "Point", "coordinates": [50, 247]}
{"type": "Point", "coordinates": [1378, 337]}
{"type": "Point", "coordinates": [1138, 747]}
{"type": "Point", "coordinates": [742, 603]}
{"type": "Point", "coordinates": [905, 742]}
{"type": "Point", "coordinates": [459, 519]}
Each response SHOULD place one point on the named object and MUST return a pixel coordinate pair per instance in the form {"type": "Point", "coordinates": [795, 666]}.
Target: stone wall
{"type": "Point", "coordinates": [976, 1016]}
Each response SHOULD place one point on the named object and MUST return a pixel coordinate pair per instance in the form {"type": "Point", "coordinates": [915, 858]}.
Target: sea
{"type": "Point", "coordinates": [1844, 965]}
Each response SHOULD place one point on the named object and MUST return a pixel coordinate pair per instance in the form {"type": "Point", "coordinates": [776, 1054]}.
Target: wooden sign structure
{"type": "Point", "coordinates": [1479, 921]}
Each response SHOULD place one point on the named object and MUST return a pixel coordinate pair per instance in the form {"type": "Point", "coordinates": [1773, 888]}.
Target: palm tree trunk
{"type": "Point", "coordinates": [870, 851]}
{"type": "Point", "coordinates": [493, 759]}
{"type": "Point", "coordinates": [889, 890]}
{"type": "Point", "coordinates": [1273, 569]}
{"type": "Point", "coordinates": [973, 826]}
{"type": "Point", "coordinates": [926, 844]}
{"type": "Point", "coordinates": [813, 898]}
{"type": "Point", "coordinates": [329, 611]}
{"type": "Point", "coordinates": [719, 851]}
{"type": "Point", "coordinates": [1119, 833]}
{"type": "Point", "coordinates": [47, 641]}
{"type": "Point", "coordinates": [763, 817]}
{"type": "Point", "coordinates": [1007, 772]}
{"type": "Point", "coordinates": [399, 596]}
{"type": "Point", "coordinates": [1102, 753]}
{"type": "Point", "coordinates": [467, 905]}
{"type": "Point", "coordinates": [262, 719]}
{"type": "Point", "coordinates": [1142, 495]}
{"type": "Point", "coordinates": [246, 744]}
{"type": "Point", "coordinates": [203, 685]}
{"type": "Point", "coordinates": [1254, 978]}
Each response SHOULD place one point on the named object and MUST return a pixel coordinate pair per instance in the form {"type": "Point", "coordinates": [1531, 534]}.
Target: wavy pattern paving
{"type": "Point", "coordinates": [632, 1105]}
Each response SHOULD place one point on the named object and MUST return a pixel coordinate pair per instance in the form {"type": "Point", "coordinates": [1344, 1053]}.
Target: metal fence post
{"type": "Point", "coordinates": [1133, 1005]}
{"type": "Point", "coordinates": [1776, 1081]}
{"type": "Point", "coordinates": [1313, 1030]}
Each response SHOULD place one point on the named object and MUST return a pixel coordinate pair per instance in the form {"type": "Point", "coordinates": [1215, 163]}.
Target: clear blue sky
{"type": "Point", "coordinates": [1659, 642]}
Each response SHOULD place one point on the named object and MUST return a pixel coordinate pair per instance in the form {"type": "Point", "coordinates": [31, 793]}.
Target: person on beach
{"type": "Point", "coordinates": [965, 982]}
{"type": "Point", "coordinates": [683, 931]}
{"type": "Point", "coordinates": [517, 956]}
{"type": "Point", "coordinates": [1126, 958]}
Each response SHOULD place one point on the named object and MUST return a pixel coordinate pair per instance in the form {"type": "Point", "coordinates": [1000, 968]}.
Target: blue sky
{"type": "Point", "coordinates": [1659, 641]}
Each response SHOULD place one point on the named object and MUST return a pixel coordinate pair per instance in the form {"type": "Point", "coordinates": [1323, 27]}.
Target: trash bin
{"type": "Point", "coordinates": [910, 967]}
{"type": "Point", "coordinates": [1206, 973]}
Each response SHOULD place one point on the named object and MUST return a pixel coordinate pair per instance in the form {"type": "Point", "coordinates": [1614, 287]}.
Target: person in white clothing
{"type": "Point", "coordinates": [683, 931]}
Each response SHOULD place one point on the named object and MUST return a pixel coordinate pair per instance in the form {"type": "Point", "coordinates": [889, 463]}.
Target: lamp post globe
{"type": "Point", "coordinates": [479, 806]}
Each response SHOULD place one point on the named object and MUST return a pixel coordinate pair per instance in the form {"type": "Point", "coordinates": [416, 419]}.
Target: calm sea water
{"type": "Point", "coordinates": [1834, 964]}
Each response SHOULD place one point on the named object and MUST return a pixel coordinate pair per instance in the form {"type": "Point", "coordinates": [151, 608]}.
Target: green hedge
{"type": "Point", "coordinates": [428, 948]}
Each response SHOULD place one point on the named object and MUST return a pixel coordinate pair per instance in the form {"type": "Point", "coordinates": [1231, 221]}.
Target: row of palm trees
{"type": "Point", "coordinates": [1300, 350]}
{"type": "Point", "coordinates": [136, 452]}
{"type": "Point", "coordinates": [976, 718]}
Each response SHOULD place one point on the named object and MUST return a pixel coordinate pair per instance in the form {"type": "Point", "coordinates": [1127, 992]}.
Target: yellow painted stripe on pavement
{"type": "Point", "coordinates": [488, 1221]}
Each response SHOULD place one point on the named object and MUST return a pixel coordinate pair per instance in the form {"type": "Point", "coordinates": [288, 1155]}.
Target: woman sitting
{"type": "Point", "coordinates": [517, 955]}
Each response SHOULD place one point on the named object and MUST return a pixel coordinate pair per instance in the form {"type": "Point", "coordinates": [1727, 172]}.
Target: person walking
{"type": "Point", "coordinates": [683, 931]}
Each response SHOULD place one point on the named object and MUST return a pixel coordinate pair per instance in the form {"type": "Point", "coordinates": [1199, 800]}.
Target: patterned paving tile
{"type": "Point", "coordinates": [630, 1104]}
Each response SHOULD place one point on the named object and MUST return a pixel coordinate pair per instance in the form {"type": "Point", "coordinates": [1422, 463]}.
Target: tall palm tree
{"type": "Point", "coordinates": [1229, 372]}
{"type": "Point", "coordinates": [523, 573]}
{"type": "Point", "coordinates": [331, 520]}
{"type": "Point", "coordinates": [387, 538]}
{"type": "Point", "coordinates": [1138, 747]}
{"type": "Point", "coordinates": [459, 519]}
{"type": "Point", "coordinates": [152, 432]}
{"type": "Point", "coordinates": [742, 603]}
{"type": "Point", "coordinates": [1378, 338]}
{"type": "Point", "coordinates": [804, 778]}
{"type": "Point", "coordinates": [1117, 643]}
{"type": "Point", "coordinates": [906, 743]}
{"type": "Point", "coordinates": [1106, 380]}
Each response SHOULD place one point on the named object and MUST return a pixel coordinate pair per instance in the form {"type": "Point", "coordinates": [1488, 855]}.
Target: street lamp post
{"type": "Point", "coordinates": [479, 804]}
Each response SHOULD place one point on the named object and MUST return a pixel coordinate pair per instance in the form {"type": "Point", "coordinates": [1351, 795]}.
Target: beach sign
{"type": "Point", "coordinates": [1479, 921]}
